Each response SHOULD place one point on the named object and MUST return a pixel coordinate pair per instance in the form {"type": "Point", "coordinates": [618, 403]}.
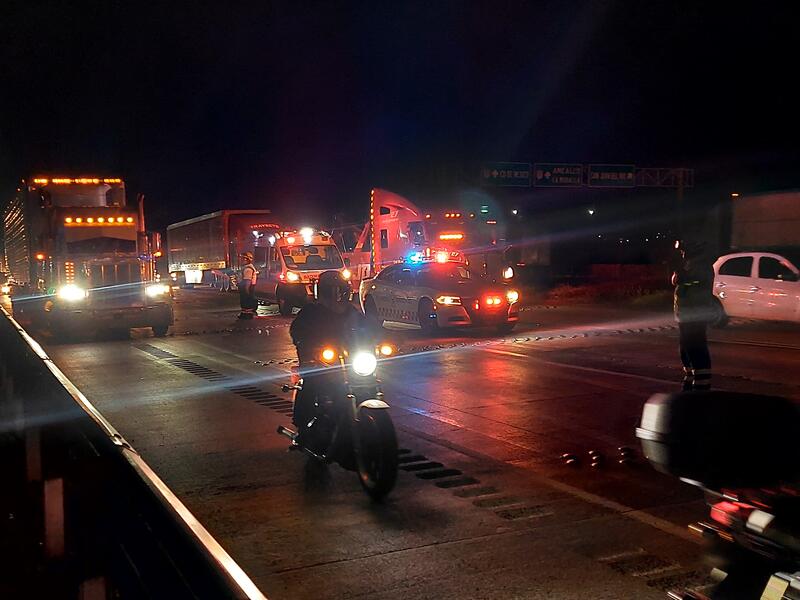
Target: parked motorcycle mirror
{"type": "Point", "coordinates": [722, 439]}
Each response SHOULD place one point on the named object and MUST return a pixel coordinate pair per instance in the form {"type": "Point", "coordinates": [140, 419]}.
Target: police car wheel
{"type": "Point", "coordinates": [427, 316]}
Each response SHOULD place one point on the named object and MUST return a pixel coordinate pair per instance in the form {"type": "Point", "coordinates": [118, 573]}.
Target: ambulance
{"type": "Point", "coordinates": [290, 263]}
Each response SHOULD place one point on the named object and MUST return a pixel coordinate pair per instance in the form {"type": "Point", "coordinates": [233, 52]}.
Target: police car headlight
{"type": "Point", "coordinates": [292, 276]}
{"type": "Point", "coordinates": [364, 363]}
{"type": "Point", "coordinates": [72, 293]}
{"type": "Point", "coordinates": [159, 289]}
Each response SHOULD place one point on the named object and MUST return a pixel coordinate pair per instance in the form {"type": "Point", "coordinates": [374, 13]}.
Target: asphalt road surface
{"type": "Point", "coordinates": [485, 507]}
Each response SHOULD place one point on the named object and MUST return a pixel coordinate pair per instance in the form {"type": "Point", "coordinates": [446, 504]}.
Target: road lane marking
{"type": "Point", "coordinates": [580, 368]}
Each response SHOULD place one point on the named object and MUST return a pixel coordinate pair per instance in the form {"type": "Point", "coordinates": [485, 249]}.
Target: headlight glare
{"type": "Point", "coordinates": [292, 276]}
{"type": "Point", "coordinates": [513, 296]}
{"type": "Point", "coordinates": [157, 289]}
{"type": "Point", "coordinates": [364, 363]}
{"type": "Point", "coordinates": [72, 293]}
{"type": "Point", "coordinates": [508, 272]}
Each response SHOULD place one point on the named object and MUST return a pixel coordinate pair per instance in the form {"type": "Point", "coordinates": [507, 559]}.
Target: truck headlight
{"type": "Point", "coordinates": [158, 289]}
{"type": "Point", "coordinates": [364, 363]}
{"type": "Point", "coordinates": [292, 276]}
{"type": "Point", "coordinates": [508, 273]}
{"type": "Point", "coordinates": [72, 293]}
{"type": "Point", "coordinates": [346, 273]}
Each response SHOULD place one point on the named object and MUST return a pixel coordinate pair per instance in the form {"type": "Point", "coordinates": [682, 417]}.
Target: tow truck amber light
{"type": "Point", "coordinates": [292, 276]}
{"type": "Point", "coordinates": [451, 236]}
{"type": "Point", "coordinates": [513, 296]}
{"type": "Point", "coordinates": [328, 355]}
{"type": "Point", "coordinates": [449, 300]}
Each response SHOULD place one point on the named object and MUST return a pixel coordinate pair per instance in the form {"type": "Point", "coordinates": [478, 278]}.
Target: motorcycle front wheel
{"type": "Point", "coordinates": [377, 457]}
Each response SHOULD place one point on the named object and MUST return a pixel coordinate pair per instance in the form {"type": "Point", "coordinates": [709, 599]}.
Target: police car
{"type": "Point", "coordinates": [437, 290]}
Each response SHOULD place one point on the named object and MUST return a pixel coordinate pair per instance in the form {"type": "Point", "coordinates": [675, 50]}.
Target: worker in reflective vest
{"type": "Point", "coordinates": [247, 287]}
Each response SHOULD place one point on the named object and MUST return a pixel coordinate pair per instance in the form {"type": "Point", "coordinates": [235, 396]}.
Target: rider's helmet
{"type": "Point", "coordinates": [247, 256]}
{"type": "Point", "coordinates": [333, 287]}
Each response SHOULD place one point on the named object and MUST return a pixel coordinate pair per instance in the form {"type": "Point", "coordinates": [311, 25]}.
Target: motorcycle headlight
{"type": "Point", "coordinates": [72, 293]}
{"type": "Point", "coordinates": [364, 363]}
{"type": "Point", "coordinates": [158, 289]}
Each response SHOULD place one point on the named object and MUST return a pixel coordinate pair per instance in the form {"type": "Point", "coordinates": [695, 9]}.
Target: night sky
{"type": "Point", "coordinates": [304, 106]}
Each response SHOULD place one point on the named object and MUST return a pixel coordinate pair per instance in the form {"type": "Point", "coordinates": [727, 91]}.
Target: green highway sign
{"type": "Point", "coordinates": [611, 176]}
{"type": "Point", "coordinates": [506, 174]}
{"type": "Point", "coordinates": [557, 175]}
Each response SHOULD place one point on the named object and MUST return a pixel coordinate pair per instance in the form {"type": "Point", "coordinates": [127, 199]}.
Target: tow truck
{"type": "Point", "coordinates": [290, 264]}
{"type": "Point", "coordinates": [434, 289]}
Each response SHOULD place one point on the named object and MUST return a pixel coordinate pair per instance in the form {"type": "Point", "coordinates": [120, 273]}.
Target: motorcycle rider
{"type": "Point", "coordinates": [332, 319]}
{"type": "Point", "coordinates": [693, 280]}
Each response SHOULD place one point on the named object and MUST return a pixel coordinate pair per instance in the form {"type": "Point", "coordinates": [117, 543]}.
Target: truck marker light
{"type": "Point", "coordinates": [41, 181]}
{"type": "Point", "coordinates": [68, 220]}
{"type": "Point", "coordinates": [101, 219]}
{"type": "Point", "coordinates": [119, 219]}
{"type": "Point", "coordinates": [90, 220]}
{"type": "Point", "coordinates": [79, 220]}
{"type": "Point", "coordinates": [129, 219]}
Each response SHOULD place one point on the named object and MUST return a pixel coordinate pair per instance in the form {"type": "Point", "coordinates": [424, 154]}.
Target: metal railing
{"type": "Point", "coordinates": [81, 513]}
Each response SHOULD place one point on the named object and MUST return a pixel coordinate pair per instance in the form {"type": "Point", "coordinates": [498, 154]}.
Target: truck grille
{"type": "Point", "coordinates": [116, 285]}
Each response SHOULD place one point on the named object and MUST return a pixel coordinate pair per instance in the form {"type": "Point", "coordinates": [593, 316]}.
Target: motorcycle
{"type": "Point", "coordinates": [742, 451]}
{"type": "Point", "coordinates": [350, 424]}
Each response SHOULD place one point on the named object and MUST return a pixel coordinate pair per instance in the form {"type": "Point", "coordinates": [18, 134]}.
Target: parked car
{"type": "Point", "coordinates": [756, 285]}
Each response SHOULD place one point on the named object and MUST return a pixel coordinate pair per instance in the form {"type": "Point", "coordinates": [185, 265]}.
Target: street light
{"type": "Point", "coordinates": [590, 211]}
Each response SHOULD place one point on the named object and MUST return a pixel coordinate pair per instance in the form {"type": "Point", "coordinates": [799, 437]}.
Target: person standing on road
{"type": "Point", "coordinates": [247, 287]}
{"type": "Point", "coordinates": [693, 305]}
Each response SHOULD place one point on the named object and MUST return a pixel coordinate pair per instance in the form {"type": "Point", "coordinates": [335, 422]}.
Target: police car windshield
{"type": "Point", "coordinates": [312, 258]}
{"type": "Point", "coordinates": [438, 274]}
